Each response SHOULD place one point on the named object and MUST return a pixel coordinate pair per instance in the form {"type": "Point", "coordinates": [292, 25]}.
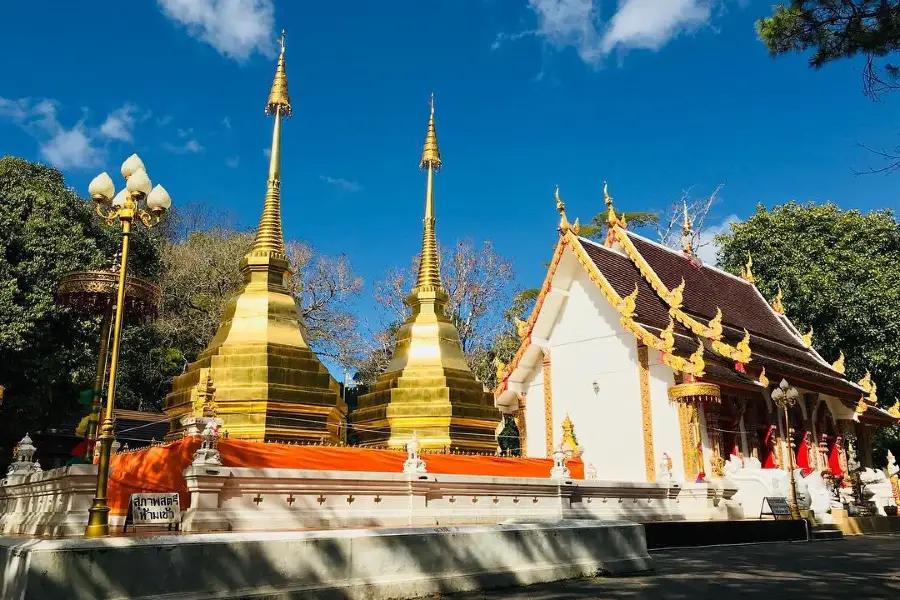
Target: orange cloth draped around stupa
{"type": "Point", "coordinates": [258, 369]}
{"type": "Point", "coordinates": [428, 386]}
{"type": "Point", "coordinates": [161, 468]}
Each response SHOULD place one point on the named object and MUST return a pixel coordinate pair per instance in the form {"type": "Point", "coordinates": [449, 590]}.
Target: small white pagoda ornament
{"type": "Point", "coordinates": [414, 463]}
{"type": "Point", "coordinates": [559, 470]}
{"type": "Point", "coordinates": [208, 453]}
{"type": "Point", "coordinates": [591, 472]}
{"type": "Point", "coordinates": [23, 459]}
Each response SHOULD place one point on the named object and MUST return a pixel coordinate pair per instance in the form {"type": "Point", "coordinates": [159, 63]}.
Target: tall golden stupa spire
{"type": "Point", "coordinates": [429, 262]}
{"type": "Point", "coordinates": [428, 389]}
{"type": "Point", "coordinates": [268, 383]}
{"type": "Point", "coordinates": [269, 239]}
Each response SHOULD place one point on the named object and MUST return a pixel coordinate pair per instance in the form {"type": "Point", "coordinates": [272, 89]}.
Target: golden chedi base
{"type": "Point", "coordinates": [428, 389]}
{"type": "Point", "coordinates": [258, 370]}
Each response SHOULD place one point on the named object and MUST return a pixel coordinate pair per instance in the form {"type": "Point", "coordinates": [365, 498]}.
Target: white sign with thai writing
{"type": "Point", "coordinates": [155, 509]}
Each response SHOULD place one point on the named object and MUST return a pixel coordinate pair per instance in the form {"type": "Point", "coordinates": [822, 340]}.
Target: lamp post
{"type": "Point", "coordinates": [786, 396]}
{"type": "Point", "coordinates": [123, 207]}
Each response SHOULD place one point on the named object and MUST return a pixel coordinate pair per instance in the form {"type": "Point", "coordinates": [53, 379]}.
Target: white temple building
{"type": "Point", "coordinates": [629, 340]}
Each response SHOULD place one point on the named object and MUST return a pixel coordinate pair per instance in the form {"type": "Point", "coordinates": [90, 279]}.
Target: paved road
{"type": "Point", "coordinates": [853, 568]}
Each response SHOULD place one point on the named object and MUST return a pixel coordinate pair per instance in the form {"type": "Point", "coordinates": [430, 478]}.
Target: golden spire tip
{"type": "Point", "coordinates": [279, 96]}
{"type": "Point", "coordinates": [431, 154]}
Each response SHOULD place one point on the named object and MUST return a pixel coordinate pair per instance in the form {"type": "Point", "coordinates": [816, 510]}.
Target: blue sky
{"type": "Point", "coordinates": [655, 96]}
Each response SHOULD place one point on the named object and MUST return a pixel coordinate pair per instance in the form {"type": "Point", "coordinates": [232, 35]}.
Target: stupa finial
{"type": "Point", "coordinates": [269, 241]}
{"type": "Point", "coordinates": [429, 264]}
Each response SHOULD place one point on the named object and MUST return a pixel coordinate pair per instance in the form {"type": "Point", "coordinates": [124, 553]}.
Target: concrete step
{"type": "Point", "coordinates": [826, 532]}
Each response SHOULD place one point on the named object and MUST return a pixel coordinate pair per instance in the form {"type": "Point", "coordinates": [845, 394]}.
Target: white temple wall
{"type": "Point", "coordinates": [535, 424]}
{"type": "Point", "coordinates": [588, 345]}
{"type": "Point", "coordinates": [666, 429]}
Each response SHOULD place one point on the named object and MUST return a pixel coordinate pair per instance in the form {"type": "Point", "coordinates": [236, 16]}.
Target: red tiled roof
{"type": "Point", "coordinates": [706, 288]}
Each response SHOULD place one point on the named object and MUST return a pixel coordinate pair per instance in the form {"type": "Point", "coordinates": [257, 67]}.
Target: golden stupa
{"type": "Point", "coordinates": [428, 387]}
{"type": "Point", "coordinates": [266, 382]}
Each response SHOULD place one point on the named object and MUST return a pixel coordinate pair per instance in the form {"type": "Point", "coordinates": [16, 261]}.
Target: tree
{"type": "Point", "coordinates": [48, 353]}
{"type": "Point", "coordinates": [839, 271]}
{"type": "Point", "coordinates": [478, 281]}
{"type": "Point", "coordinates": [838, 29]}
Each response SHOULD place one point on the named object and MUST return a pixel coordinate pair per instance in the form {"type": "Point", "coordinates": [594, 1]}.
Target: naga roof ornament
{"type": "Point", "coordinates": [807, 339]}
{"type": "Point", "coordinates": [676, 296]}
{"type": "Point", "coordinates": [521, 327]}
{"type": "Point", "coordinates": [894, 410]}
{"type": "Point", "coordinates": [747, 270]}
{"type": "Point", "coordinates": [762, 379]}
{"type": "Point", "coordinates": [627, 306]}
{"type": "Point", "coordinates": [777, 302]}
{"type": "Point", "coordinates": [715, 326]}
{"type": "Point", "coordinates": [667, 336]}
{"type": "Point", "coordinates": [862, 406]}
{"type": "Point", "coordinates": [838, 365]}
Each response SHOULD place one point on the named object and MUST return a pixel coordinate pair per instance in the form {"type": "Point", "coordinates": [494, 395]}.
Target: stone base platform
{"type": "Point", "coordinates": [864, 525]}
{"type": "Point", "coordinates": [350, 564]}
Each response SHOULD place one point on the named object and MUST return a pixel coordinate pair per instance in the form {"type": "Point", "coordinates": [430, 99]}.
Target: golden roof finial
{"type": "Point", "coordinates": [687, 231]}
{"type": "Point", "coordinates": [564, 225]}
{"type": "Point", "coordinates": [429, 264]}
{"type": "Point", "coordinates": [747, 270]}
{"type": "Point", "coordinates": [611, 218]}
{"type": "Point", "coordinates": [777, 302]}
{"type": "Point", "coordinates": [431, 154]}
{"type": "Point", "coordinates": [838, 365]}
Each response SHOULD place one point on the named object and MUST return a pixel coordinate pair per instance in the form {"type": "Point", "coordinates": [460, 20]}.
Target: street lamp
{"type": "Point", "coordinates": [122, 207]}
{"type": "Point", "coordinates": [786, 396]}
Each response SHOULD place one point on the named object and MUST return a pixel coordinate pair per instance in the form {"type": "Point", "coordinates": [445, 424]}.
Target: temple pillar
{"type": "Point", "coordinates": [548, 402]}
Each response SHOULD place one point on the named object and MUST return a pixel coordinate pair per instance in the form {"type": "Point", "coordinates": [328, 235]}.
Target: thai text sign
{"type": "Point", "coordinates": [155, 509]}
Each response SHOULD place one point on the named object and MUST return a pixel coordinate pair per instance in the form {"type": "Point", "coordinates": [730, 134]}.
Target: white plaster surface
{"type": "Point", "coordinates": [351, 563]}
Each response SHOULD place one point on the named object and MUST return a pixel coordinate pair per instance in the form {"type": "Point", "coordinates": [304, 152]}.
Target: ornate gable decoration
{"type": "Point", "coordinates": [740, 352]}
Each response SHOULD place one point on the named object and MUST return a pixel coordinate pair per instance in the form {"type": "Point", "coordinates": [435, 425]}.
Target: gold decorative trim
{"type": "Point", "coordinates": [522, 424]}
{"type": "Point", "coordinates": [674, 298]}
{"type": "Point", "coordinates": [894, 410]}
{"type": "Point", "coordinates": [548, 403]}
{"type": "Point", "coordinates": [646, 413]}
{"type": "Point", "coordinates": [698, 391]}
{"type": "Point", "coordinates": [688, 448]}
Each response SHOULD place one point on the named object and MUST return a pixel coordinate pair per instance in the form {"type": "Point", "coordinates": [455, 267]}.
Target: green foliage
{"type": "Point", "coordinates": [836, 29]}
{"type": "Point", "coordinates": [47, 354]}
{"type": "Point", "coordinates": [839, 272]}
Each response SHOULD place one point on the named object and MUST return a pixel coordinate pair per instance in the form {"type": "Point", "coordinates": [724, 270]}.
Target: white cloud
{"type": "Point", "coordinates": [236, 28]}
{"type": "Point", "coordinates": [340, 182]}
{"type": "Point", "coordinates": [226, 122]}
{"type": "Point", "coordinates": [233, 162]}
{"type": "Point", "coordinates": [76, 147]}
{"type": "Point", "coordinates": [636, 24]}
{"type": "Point", "coordinates": [267, 152]}
{"type": "Point", "coordinates": [163, 121]}
{"type": "Point", "coordinates": [707, 248]}
{"type": "Point", "coordinates": [119, 124]}
{"type": "Point", "coordinates": [192, 146]}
